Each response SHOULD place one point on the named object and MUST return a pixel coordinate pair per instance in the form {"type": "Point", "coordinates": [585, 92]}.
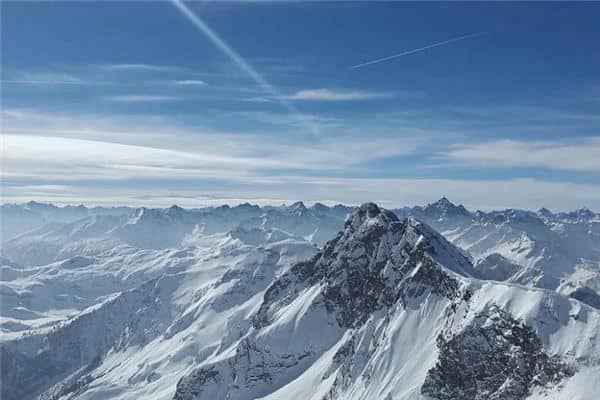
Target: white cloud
{"type": "Point", "coordinates": [155, 160]}
{"type": "Point", "coordinates": [141, 67]}
{"type": "Point", "coordinates": [141, 98]}
{"type": "Point", "coordinates": [59, 148]}
{"type": "Point", "coordinates": [191, 82]}
{"type": "Point", "coordinates": [47, 79]}
{"type": "Point", "coordinates": [338, 95]}
{"type": "Point", "coordinates": [65, 159]}
{"type": "Point", "coordinates": [293, 120]}
{"type": "Point", "coordinates": [572, 155]}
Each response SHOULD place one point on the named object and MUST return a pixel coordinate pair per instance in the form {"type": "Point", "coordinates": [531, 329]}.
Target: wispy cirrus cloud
{"type": "Point", "coordinates": [47, 79]}
{"type": "Point", "coordinates": [191, 82]}
{"type": "Point", "coordinates": [292, 120]}
{"type": "Point", "coordinates": [141, 98]}
{"type": "Point", "coordinates": [524, 113]}
{"type": "Point", "coordinates": [158, 155]}
{"type": "Point", "coordinates": [141, 67]}
{"type": "Point", "coordinates": [323, 94]}
{"type": "Point", "coordinates": [56, 148]}
{"type": "Point", "coordinates": [573, 155]}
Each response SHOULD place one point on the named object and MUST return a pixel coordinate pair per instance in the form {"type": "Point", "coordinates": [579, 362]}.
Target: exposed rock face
{"type": "Point", "coordinates": [190, 386]}
{"type": "Point", "coordinates": [252, 366]}
{"type": "Point", "coordinates": [496, 358]}
{"type": "Point", "coordinates": [375, 261]}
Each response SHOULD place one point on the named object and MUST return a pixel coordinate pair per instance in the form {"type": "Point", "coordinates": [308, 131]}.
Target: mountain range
{"type": "Point", "coordinates": [290, 302]}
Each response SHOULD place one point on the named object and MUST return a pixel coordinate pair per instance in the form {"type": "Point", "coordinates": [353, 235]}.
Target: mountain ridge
{"type": "Point", "coordinates": [257, 312]}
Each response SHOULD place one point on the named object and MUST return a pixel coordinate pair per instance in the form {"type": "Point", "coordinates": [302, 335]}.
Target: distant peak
{"type": "Point", "coordinates": [444, 207]}
{"type": "Point", "coordinates": [174, 210]}
{"type": "Point", "coordinates": [444, 200]}
{"type": "Point", "coordinates": [319, 206]}
{"type": "Point", "coordinates": [298, 204]}
{"type": "Point", "coordinates": [247, 206]}
{"type": "Point", "coordinates": [298, 207]}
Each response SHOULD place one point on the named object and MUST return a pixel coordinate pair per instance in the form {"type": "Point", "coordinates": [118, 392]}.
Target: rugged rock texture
{"type": "Point", "coordinates": [496, 358]}
{"type": "Point", "coordinates": [78, 345]}
{"type": "Point", "coordinates": [375, 261]}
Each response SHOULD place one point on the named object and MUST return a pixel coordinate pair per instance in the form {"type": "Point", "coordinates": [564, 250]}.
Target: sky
{"type": "Point", "coordinates": [493, 105]}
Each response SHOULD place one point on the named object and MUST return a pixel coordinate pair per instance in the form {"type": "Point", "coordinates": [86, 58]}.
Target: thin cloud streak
{"type": "Point", "coordinates": [140, 98]}
{"type": "Point", "coordinates": [234, 56]}
{"type": "Point", "coordinates": [141, 67]}
{"type": "Point", "coordinates": [338, 95]}
{"type": "Point", "coordinates": [191, 82]}
{"type": "Point", "coordinates": [573, 155]}
{"type": "Point", "coordinates": [47, 79]}
{"type": "Point", "coordinates": [472, 35]}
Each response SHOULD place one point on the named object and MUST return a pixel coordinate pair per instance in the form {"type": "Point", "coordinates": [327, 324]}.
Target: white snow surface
{"type": "Point", "coordinates": [133, 304]}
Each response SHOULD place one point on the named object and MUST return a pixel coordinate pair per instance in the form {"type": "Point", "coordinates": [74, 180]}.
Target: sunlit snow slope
{"type": "Point", "coordinates": [241, 303]}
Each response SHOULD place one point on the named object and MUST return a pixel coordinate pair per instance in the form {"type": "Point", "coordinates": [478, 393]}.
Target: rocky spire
{"type": "Point", "coordinates": [371, 264]}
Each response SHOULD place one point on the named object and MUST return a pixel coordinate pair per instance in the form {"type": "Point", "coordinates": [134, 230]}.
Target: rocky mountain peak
{"type": "Point", "coordinates": [320, 207]}
{"type": "Point", "coordinates": [297, 208]}
{"type": "Point", "coordinates": [369, 214]}
{"type": "Point", "coordinates": [175, 211]}
{"type": "Point", "coordinates": [444, 207]}
{"type": "Point", "coordinates": [374, 262]}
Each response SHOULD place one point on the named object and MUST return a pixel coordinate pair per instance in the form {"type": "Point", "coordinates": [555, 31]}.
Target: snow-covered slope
{"type": "Point", "coordinates": [69, 324]}
{"type": "Point", "coordinates": [16, 219]}
{"type": "Point", "coordinates": [387, 309]}
{"type": "Point", "coordinates": [378, 314]}
{"type": "Point", "coordinates": [556, 251]}
{"type": "Point", "coordinates": [147, 228]}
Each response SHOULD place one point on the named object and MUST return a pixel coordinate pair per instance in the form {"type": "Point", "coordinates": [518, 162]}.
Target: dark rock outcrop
{"type": "Point", "coordinates": [496, 358]}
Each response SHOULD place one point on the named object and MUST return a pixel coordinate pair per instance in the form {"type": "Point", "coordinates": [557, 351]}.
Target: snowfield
{"type": "Point", "coordinates": [299, 302]}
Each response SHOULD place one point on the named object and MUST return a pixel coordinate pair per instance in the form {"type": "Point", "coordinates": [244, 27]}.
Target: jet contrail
{"type": "Point", "coordinates": [419, 49]}
{"type": "Point", "coordinates": [237, 59]}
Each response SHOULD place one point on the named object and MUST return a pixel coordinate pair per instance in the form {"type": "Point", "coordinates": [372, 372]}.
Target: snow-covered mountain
{"type": "Point", "coordinates": [555, 251]}
{"type": "Point", "coordinates": [244, 303]}
{"type": "Point", "coordinates": [16, 219]}
{"type": "Point", "coordinates": [148, 228]}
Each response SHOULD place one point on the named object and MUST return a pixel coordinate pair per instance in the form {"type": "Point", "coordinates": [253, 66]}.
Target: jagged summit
{"type": "Point", "coordinates": [175, 211]}
{"type": "Point", "coordinates": [247, 206]}
{"type": "Point", "coordinates": [371, 214]}
{"type": "Point", "coordinates": [297, 208]}
{"type": "Point", "coordinates": [319, 207]}
{"type": "Point", "coordinates": [579, 214]}
{"type": "Point", "coordinates": [545, 213]}
{"type": "Point", "coordinates": [444, 207]}
{"type": "Point", "coordinates": [363, 267]}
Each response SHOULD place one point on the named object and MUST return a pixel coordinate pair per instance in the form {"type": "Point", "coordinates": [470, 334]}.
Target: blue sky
{"type": "Point", "coordinates": [134, 103]}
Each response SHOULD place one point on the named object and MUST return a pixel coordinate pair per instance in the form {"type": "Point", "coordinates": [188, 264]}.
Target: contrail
{"type": "Point", "coordinates": [419, 49]}
{"type": "Point", "coordinates": [237, 59]}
